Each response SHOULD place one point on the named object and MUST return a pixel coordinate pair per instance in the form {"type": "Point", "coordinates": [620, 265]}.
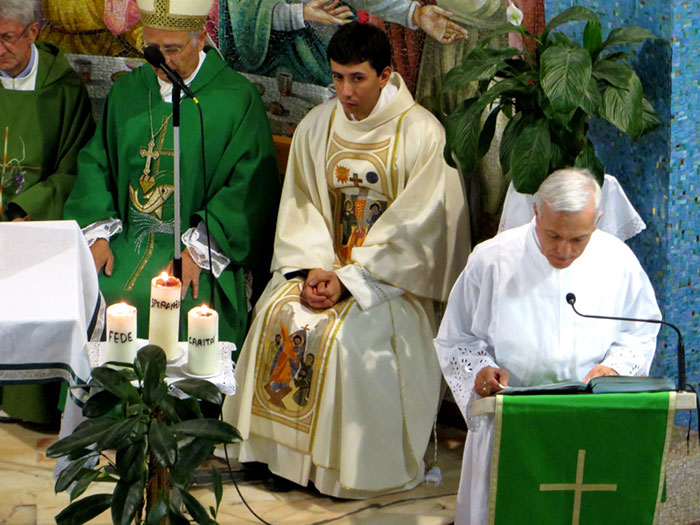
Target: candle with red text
{"type": "Point", "coordinates": [203, 356]}
{"type": "Point", "coordinates": [164, 321]}
{"type": "Point", "coordinates": [121, 333]}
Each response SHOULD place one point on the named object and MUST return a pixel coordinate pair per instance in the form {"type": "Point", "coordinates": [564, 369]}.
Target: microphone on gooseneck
{"type": "Point", "coordinates": [155, 57]}
{"type": "Point", "coordinates": [680, 351]}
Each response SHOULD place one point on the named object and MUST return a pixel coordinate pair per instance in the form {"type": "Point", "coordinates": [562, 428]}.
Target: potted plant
{"type": "Point", "coordinates": [548, 91]}
{"type": "Point", "coordinates": [159, 441]}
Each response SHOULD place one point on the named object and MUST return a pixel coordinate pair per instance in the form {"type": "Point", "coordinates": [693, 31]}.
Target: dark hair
{"type": "Point", "coordinates": [355, 43]}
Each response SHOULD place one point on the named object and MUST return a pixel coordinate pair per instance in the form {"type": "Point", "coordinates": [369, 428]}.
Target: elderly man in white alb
{"type": "Point", "coordinates": [508, 322]}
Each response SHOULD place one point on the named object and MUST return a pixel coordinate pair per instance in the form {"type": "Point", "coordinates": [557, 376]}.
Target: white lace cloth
{"type": "Point", "coordinates": [619, 216]}
{"type": "Point", "coordinates": [177, 369]}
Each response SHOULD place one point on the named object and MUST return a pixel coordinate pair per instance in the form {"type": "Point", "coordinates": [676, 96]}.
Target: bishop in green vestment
{"type": "Point", "coordinates": [45, 119]}
{"type": "Point", "coordinates": [124, 191]}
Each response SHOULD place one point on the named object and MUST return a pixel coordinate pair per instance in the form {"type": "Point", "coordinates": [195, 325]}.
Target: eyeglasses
{"type": "Point", "coordinates": [168, 51]}
{"type": "Point", "coordinates": [10, 39]}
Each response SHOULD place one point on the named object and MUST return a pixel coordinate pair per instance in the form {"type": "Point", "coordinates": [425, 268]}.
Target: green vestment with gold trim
{"type": "Point", "coordinates": [126, 172]}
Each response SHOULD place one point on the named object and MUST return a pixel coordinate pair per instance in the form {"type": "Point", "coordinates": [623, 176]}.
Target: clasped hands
{"type": "Point", "coordinates": [490, 380]}
{"type": "Point", "coordinates": [322, 289]}
{"type": "Point", "coordinates": [104, 260]}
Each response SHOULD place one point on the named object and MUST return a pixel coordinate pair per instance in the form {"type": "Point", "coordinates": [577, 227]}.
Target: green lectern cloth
{"type": "Point", "coordinates": [580, 459]}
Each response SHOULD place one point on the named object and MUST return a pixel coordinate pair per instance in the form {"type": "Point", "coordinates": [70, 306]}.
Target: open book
{"type": "Point", "coordinates": [598, 385]}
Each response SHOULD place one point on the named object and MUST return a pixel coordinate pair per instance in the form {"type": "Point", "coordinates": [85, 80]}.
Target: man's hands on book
{"type": "Point", "coordinates": [490, 380]}
{"type": "Point", "coordinates": [599, 371]}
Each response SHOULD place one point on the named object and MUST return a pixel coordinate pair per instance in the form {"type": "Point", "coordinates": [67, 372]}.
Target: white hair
{"type": "Point", "coordinates": [24, 11]}
{"type": "Point", "coordinates": [569, 190]}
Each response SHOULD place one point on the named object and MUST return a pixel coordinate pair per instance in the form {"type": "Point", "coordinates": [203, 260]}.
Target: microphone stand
{"type": "Point", "coordinates": [680, 348]}
{"type": "Point", "coordinates": [177, 260]}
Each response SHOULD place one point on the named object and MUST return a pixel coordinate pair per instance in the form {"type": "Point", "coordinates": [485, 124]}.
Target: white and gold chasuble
{"type": "Point", "coordinates": [346, 396]}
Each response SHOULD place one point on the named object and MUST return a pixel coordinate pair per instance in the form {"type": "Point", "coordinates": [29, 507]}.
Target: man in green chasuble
{"type": "Point", "coordinates": [45, 119]}
{"type": "Point", "coordinates": [124, 195]}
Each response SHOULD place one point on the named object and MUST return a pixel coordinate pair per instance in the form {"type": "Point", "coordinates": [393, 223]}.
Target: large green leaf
{"type": "Point", "coordinates": [127, 501]}
{"type": "Point", "coordinates": [113, 381]}
{"type": "Point", "coordinates": [218, 489]}
{"type": "Point", "coordinates": [589, 160]}
{"type": "Point", "coordinates": [211, 429]}
{"type": "Point", "coordinates": [131, 460]}
{"type": "Point", "coordinates": [476, 69]}
{"type": "Point", "coordinates": [154, 354]}
{"type": "Point", "coordinates": [614, 73]}
{"type": "Point", "coordinates": [624, 108]}
{"type": "Point", "coordinates": [462, 136]}
{"type": "Point", "coordinates": [651, 118]}
{"type": "Point", "coordinates": [158, 510]}
{"type": "Point", "coordinates": [83, 510]}
{"type": "Point", "coordinates": [195, 508]}
{"type": "Point", "coordinates": [68, 474]}
{"type": "Point", "coordinates": [487, 132]}
{"type": "Point", "coordinates": [592, 36]}
{"type": "Point", "coordinates": [83, 436]}
{"type": "Point", "coordinates": [564, 75]}
{"type": "Point", "coordinates": [200, 389]}
{"type": "Point", "coordinates": [191, 456]}
{"type": "Point", "coordinates": [123, 434]}
{"type": "Point", "coordinates": [510, 133]}
{"type": "Point", "coordinates": [591, 98]}
{"type": "Point", "coordinates": [627, 35]}
{"type": "Point", "coordinates": [83, 482]}
{"type": "Point", "coordinates": [529, 161]}
{"type": "Point", "coordinates": [100, 404]}
{"type": "Point", "coordinates": [163, 443]}
{"type": "Point", "coordinates": [572, 14]}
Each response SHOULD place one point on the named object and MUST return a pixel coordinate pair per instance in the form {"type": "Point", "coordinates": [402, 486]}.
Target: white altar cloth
{"type": "Point", "coordinates": [49, 298]}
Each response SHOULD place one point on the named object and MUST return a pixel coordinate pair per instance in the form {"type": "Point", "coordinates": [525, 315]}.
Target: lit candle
{"type": "Point", "coordinates": [164, 322]}
{"type": "Point", "coordinates": [121, 333]}
{"type": "Point", "coordinates": [203, 341]}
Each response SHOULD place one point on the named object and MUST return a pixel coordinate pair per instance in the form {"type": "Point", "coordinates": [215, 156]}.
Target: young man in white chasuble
{"type": "Point", "coordinates": [45, 119]}
{"type": "Point", "coordinates": [508, 321]}
{"type": "Point", "coordinates": [124, 195]}
{"type": "Point", "coordinates": [338, 381]}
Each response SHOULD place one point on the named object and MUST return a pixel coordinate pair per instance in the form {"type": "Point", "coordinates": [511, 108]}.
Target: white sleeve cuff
{"type": "Point", "coordinates": [411, 10]}
{"type": "Point", "coordinates": [367, 289]}
{"type": "Point", "coordinates": [196, 241]}
{"type": "Point", "coordinates": [287, 17]}
{"type": "Point", "coordinates": [104, 229]}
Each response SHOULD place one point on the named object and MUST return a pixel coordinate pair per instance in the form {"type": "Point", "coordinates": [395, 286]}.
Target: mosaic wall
{"type": "Point", "coordinates": [661, 171]}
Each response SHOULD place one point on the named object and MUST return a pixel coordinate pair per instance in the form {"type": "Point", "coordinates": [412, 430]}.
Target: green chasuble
{"type": "Point", "coordinates": [41, 133]}
{"type": "Point", "coordinates": [126, 172]}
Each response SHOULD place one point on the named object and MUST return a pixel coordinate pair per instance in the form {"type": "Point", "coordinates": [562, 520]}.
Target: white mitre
{"type": "Point", "coordinates": [175, 15]}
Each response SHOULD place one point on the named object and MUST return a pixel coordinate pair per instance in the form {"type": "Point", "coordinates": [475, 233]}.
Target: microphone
{"type": "Point", "coordinates": [156, 59]}
{"type": "Point", "coordinates": [680, 350]}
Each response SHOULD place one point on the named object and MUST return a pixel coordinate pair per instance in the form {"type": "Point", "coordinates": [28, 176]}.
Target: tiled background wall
{"type": "Point", "coordinates": [661, 171]}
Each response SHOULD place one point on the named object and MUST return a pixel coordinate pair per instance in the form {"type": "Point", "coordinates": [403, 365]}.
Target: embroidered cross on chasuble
{"type": "Point", "coordinates": [587, 459]}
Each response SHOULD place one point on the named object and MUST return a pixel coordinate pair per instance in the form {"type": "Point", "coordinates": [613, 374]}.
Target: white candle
{"type": "Point", "coordinates": [203, 357]}
{"type": "Point", "coordinates": [121, 333]}
{"type": "Point", "coordinates": [164, 321]}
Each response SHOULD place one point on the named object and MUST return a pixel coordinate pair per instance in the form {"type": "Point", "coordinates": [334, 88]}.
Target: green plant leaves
{"type": "Point", "coordinates": [82, 437]}
{"type": "Point", "coordinates": [191, 456]}
{"type": "Point", "coordinates": [100, 403]}
{"type": "Point", "coordinates": [588, 159]}
{"type": "Point", "coordinates": [573, 14]}
{"type": "Point", "coordinates": [114, 382]}
{"type": "Point", "coordinates": [592, 36]}
{"type": "Point", "coordinates": [127, 501]}
{"type": "Point", "coordinates": [624, 108]}
{"type": "Point", "coordinates": [200, 389]}
{"type": "Point", "coordinates": [529, 161]}
{"type": "Point", "coordinates": [211, 429]}
{"type": "Point", "coordinates": [628, 35]}
{"type": "Point", "coordinates": [163, 443]}
{"type": "Point", "coordinates": [195, 508]}
{"type": "Point", "coordinates": [564, 74]}
{"type": "Point", "coordinates": [83, 510]}
{"type": "Point", "coordinates": [68, 474]}
{"type": "Point", "coordinates": [131, 460]}
{"type": "Point", "coordinates": [122, 434]}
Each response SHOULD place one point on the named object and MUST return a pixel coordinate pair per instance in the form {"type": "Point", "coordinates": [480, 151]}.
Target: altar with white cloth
{"type": "Point", "coordinates": [49, 303]}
